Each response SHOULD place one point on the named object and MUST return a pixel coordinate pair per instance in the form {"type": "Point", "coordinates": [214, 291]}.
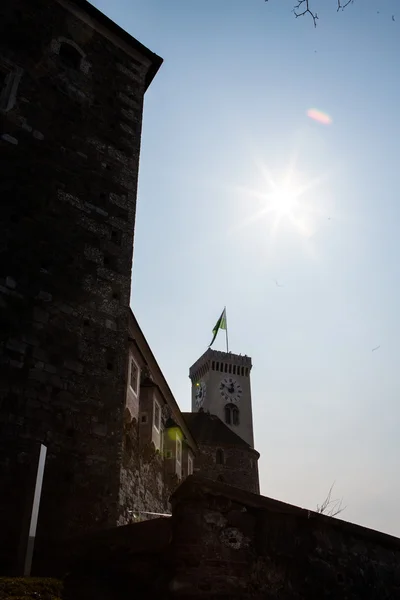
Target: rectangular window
{"type": "Point", "coordinates": [234, 369]}
{"type": "Point", "coordinates": [157, 416]}
{"type": "Point", "coordinates": [178, 450]}
{"type": "Point", "coordinates": [190, 465]}
{"type": "Point", "coordinates": [133, 376]}
{"type": "Point", "coordinates": [10, 76]}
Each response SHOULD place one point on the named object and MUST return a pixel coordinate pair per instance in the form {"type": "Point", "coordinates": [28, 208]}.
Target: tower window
{"type": "Point", "coordinates": [217, 366]}
{"type": "Point", "coordinates": [70, 56]}
{"type": "Point", "coordinates": [213, 365]}
{"type": "Point", "coordinates": [133, 376]}
{"type": "Point", "coordinates": [234, 369]}
{"type": "Point", "coordinates": [242, 370]}
{"type": "Point", "coordinates": [230, 368]}
{"type": "Point", "coordinates": [227, 414]}
{"type": "Point", "coordinates": [226, 368]}
{"type": "Point", "coordinates": [219, 458]}
{"type": "Point", "coordinates": [232, 414]}
{"type": "Point", "coordinates": [247, 372]}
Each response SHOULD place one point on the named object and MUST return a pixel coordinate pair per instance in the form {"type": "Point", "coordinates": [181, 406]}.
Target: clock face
{"type": "Point", "coordinates": [230, 389]}
{"type": "Point", "coordinates": [200, 394]}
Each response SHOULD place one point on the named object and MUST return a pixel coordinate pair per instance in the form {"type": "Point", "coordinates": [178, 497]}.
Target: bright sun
{"type": "Point", "coordinates": [283, 201]}
{"type": "Point", "coordinates": [286, 202]}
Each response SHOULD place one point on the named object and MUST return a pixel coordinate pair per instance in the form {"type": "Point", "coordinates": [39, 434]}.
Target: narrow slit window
{"type": "Point", "coordinates": [178, 450]}
{"type": "Point", "coordinates": [157, 416]}
{"type": "Point", "coordinates": [219, 459]}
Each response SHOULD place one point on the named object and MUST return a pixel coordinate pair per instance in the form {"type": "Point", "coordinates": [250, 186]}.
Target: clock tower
{"type": "Point", "coordinates": [221, 386]}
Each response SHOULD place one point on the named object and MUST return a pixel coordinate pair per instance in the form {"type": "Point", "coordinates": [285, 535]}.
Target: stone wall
{"type": "Point", "coordinates": [237, 466]}
{"type": "Point", "coordinates": [145, 485]}
{"type": "Point", "coordinates": [223, 455]}
{"type": "Point", "coordinates": [222, 542]}
{"type": "Point", "coordinates": [236, 545]}
{"type": "Point", "coordinates": [69, 152]}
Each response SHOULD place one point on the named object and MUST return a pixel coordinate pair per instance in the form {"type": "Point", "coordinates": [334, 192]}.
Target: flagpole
{"type": "Point", "coordinates": [226, 332]}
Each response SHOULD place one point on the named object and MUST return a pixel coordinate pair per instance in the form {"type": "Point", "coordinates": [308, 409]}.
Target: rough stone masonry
{"type": "Point", "coordinates": [223, 542]}
{"type": "Point", "coordinates": [71, 99]}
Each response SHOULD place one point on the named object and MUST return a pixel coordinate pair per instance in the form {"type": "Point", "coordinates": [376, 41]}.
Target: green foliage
{"type": "Point", "coordinates": [30, 588]}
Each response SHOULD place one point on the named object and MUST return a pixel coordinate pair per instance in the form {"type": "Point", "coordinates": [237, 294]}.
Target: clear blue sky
{"type": "Point", "coordinates": [229, 104]}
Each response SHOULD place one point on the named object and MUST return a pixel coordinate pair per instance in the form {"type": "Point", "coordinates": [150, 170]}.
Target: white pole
{"type": "Point", "coordinates": [35, 511]}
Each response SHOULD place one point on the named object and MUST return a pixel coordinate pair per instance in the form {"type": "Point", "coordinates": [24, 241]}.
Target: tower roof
{"type": "Point", "coordinates": [210, 430]}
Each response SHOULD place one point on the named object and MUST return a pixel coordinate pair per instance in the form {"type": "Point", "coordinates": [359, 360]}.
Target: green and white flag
{"type": "Point", "coordinates": [220, 324]}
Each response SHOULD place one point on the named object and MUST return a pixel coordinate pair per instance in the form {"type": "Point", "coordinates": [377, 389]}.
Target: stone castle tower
{"type": "Point", "coordinates": [72, 85]}
{"type": "Point", "coordinates": [221, 385]}
{"type": "Point", "coordinates": [222, 418]}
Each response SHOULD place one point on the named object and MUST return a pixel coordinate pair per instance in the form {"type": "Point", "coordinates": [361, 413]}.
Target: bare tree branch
{"type": "Point", "coordinates": [303, 8]}
{"type": "Point", "coordinates": [329, 507]}
{"type": "Point", "coordinates": [303, 4]}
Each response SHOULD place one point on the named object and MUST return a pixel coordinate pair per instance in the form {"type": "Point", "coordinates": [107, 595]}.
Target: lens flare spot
{"type": "Point", "coordinates": [318, 115]}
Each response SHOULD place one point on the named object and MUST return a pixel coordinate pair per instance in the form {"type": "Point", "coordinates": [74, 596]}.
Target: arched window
{"type": "Point", "coordinates": [70, 56]}
{"type": "Point", "coordinates": [219, 458]}
{"type": "Point", "coordinates": [235, 415]}
{"type": "Point", "coordinates": [232, 416]}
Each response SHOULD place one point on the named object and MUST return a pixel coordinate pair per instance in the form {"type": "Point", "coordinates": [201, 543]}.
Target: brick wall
{"type": "Point", "coordinates": [69, 152]}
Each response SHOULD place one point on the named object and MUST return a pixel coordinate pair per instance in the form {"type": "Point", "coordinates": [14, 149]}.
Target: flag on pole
{"type": "Point", "coordinates": [220, 324]}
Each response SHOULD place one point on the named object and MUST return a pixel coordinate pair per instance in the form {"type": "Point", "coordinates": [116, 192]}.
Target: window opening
{"type": "Point", "coordinates": [220, 457]}
{"type": "Point", "coordinates": [70, 56]}
{"type": "Point", "coordinates": [157, 416]}
{"type": "Point", "coordinates": [134, 376]}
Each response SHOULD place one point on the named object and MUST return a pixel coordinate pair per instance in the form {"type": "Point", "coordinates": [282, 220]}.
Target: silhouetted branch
{"type": "Point", "coordinates": [304, 5]}
{"type": "Point", "coordinates": [303, 8]}
{"type": "Point", "coordinates": [341, 6]}
{"type": "Point", "coordinates": [329, 507]}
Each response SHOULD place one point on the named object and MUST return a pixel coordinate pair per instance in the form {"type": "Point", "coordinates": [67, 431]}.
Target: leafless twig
{"type": "Point", "coordinates": [303, 8]}
{"type": "Point", "coordinates": [329, 507]}
{"type": "Point", "coordinates": [341, 6]}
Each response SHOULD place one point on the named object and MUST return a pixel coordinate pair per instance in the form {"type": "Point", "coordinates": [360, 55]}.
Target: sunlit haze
{"type": "Point", "coordinates": [269, 184]}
